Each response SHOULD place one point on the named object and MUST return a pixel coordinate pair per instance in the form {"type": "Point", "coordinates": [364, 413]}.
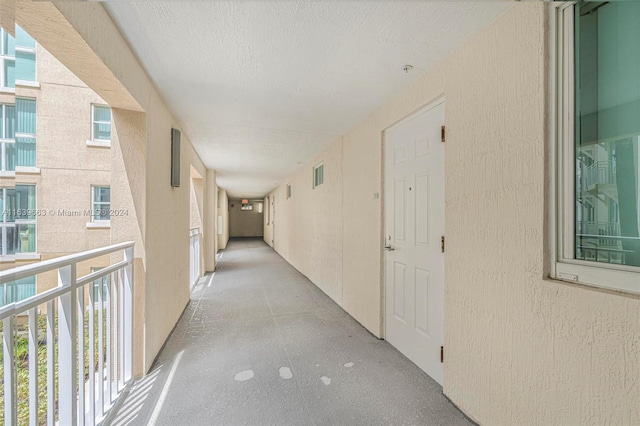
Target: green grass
{"type": "Point", "coordinates": [22, 360]}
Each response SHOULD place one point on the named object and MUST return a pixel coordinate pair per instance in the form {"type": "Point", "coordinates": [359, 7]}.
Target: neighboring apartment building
{"type": "Point", "coordinates": [55, 165]}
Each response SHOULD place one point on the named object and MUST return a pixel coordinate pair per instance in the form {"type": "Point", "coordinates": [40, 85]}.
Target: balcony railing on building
{"type": "Point", "coordinates": [71, 343]}
{"type": "Point", "coordinates": [194, 256]}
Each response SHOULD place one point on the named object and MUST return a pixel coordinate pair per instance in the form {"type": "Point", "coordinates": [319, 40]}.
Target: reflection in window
{"type": "Point", "coordinates": [608, 132]}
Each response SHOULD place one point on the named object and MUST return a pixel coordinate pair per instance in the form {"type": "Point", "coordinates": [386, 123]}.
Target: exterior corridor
{"type": "Point", "coordinates": [259, 344]}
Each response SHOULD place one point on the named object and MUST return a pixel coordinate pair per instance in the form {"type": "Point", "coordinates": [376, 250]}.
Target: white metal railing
{"type": "Point", "coordinates": [194, 256]}
{"type": "Point", "coordinates": [600, 172]}
{"type": "Point", "coordinates": [84, 393]}
{"type": "Point", "coordinates": [599, 228]}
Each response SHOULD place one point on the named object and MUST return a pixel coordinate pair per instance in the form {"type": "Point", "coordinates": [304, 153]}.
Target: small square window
{"type": "Point", "coordinates": [318, 175]}
{"type": "Point", "coordinates": [100, 123]}
{"type": "Point", "coordinates": [100, 203]}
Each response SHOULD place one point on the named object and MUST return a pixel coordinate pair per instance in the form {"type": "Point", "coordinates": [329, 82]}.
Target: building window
{"type": "Point", "coordinates": [15, 291]}
{"type": "Point", "coordinates": [7, 137]}
{"type": "Point", "coordinates": [288, 191]}
{"type": "Point", "coordinates": [7, 61]}
{"type": "Point", "coordinates": [25, 134]}
{"type": "Point", "coordinates": [100, 203]}
{"type": "Point", "coordinates": [598, 143]}
{"type": "Point", "coordinates": [318, 175]}
{"type": "Point", "coordinates": [100, 123]}
{"type": "Point", "coordinates": [18, 220]}
{"type": "Point", "coordinates": [25, 51]}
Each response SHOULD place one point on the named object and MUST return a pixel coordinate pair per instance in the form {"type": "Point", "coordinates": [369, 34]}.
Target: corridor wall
{"type": "Point", "coordinates": [519, 348]}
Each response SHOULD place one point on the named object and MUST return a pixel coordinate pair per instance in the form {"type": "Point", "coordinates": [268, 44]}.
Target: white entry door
{"type": "Point", "coordinates": [414, 227]}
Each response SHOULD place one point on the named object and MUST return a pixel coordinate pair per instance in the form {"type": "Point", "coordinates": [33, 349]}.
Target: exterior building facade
{"type": "Point", "coordinates": [55, 172]}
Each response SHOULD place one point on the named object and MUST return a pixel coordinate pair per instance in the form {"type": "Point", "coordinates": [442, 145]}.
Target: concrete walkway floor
{"type": "Point", "coordinates": [261, 345]}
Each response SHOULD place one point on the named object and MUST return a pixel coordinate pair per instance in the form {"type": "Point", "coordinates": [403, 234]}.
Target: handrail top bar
{"type": "Point", "coordinates": [17, 308]}
{"type": "Point", "coordinates": [59, 262]}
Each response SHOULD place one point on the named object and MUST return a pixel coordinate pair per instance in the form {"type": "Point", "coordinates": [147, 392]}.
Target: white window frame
{"type": "Point", "coordinates": [3, 57]}
{"type": "Point", "coordinates": [4, 140]}
{"type": "Point", "coordinates": [4, 224]}
{"type": "Point", "coordinates": [316, 167]}
{"type": "Point", "coordinates": [564, 265]}
{"type": "Point", "coordinates": [32, 136]}
{"type": "Point", "coordinates": [33, 50]}
{"type": "Point", "coordinates": [94, 202]}
{"type": "Point", "coordinates": [100, 142]}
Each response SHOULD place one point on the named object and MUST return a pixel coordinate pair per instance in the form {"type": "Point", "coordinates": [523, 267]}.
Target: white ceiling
{"type": "Point", "coordinates": [261, 87]}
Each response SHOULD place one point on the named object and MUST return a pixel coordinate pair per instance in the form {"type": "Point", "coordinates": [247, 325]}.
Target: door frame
{"type": "Point", "coordinates": [383, 216]}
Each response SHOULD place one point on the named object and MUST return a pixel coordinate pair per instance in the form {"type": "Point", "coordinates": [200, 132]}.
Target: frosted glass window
{"type": "Point", "coordinates": [607, 100]}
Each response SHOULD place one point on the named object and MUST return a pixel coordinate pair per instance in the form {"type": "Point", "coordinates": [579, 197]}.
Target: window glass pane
{"type": "Point", "coordinates": [12, 239]}
{"type": "Point", "coordinates": [25, 201]}
{"type": "Point", "coordinates": [101, 113]}
{"type": "Point", "coordinates": [101, 131]}
{"type": "Point", "coordinates": [608, 132]}
{"type": "Point", "coordinates": [10, 156]}
{"type": "Point", "coordinates": [15, 291]}
{"type": "Point", "coordinates": [26, 152]}
{"type": "Point", "coordinates": [9, 121]}
{"type": "Point", "coordinates": [9, 73]}
{"type": "Point", "coordinates": [23, 39]}
{"type": "Point", "coordinates": [102, 194]}
{"type": "Point", "coordinates": [26, 238]}
{"type": "Point", "coordinates": [26, 115]}
{"type": "Point", "coordinates": [10, 205]}
{"type": "Point", "coordinates": [8, 46]}
{"type": "Point", "coordinates": [25, 66]}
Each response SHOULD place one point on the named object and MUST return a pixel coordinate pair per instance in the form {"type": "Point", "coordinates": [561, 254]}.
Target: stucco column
{"type": "Point", "coordinates": [210, 223]}
{"type": "Point", "coordinates": [128, 194]}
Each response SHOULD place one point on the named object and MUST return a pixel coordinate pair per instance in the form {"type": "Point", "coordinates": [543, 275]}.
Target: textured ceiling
{"type": "Point", "coordinates": [261, 88]}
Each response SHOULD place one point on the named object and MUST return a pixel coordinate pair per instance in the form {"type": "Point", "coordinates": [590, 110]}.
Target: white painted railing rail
{"type": "Point", "coordinates": [81, 399]}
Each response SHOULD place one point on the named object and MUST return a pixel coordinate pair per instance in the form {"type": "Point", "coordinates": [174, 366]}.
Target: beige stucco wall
{"type": "Point", "coordinates": [223, 210]}
{"type": "Point", "coordinates": [519, 348]}
{"type": "Point", "coordinates": [246, 223]}
{"type": "Point", "coordinates": [307, 227]}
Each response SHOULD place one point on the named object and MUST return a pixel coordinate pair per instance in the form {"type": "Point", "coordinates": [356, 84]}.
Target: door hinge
{"type": "Point", "coordinates": [442, 134]}
{"type": "Point", "coordinates": [441, 353]}
{"type": "Point", "coordinates": [442, 244]}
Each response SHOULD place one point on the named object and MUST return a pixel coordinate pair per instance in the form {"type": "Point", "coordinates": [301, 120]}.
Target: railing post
{"type": "Point", "coordinates": [127, 289]}
{"type": "Point", "coordinates": [10, 385]}
{"type": "Point", "coordinates": [67, 353]}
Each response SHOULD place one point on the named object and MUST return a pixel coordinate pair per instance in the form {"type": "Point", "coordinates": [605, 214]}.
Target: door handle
{"type": "Point", "coordinates": [389, 248]}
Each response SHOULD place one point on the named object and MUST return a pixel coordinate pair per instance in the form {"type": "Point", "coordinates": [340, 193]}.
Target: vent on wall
{"type": "Point", "coordinates": [175, 158]}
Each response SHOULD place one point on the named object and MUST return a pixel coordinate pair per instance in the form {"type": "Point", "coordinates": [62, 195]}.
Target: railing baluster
{"type": "Point", "coordinates": [128, 314]}
{"type": "Point", "coordinates": [67, 368]}
{"type": "Point", "coordinates": [100, 412]}
{"type": "Point", "coordinates": [107, 400]}
{"type": "Point", "coordinates": [33, 367]}
{"type": "Point", "coordinates": [120, 382]}
{"type": "Point", "coordinates": [51, 363]}
{"type": "Point", "coordinates": [91, 415]}
{"type": "Point", "coordinates": [116, 310]}
{"type": "Point", "coordinates": [10, 385]}
{"type": "Point", "coordinates": [81, 382]}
